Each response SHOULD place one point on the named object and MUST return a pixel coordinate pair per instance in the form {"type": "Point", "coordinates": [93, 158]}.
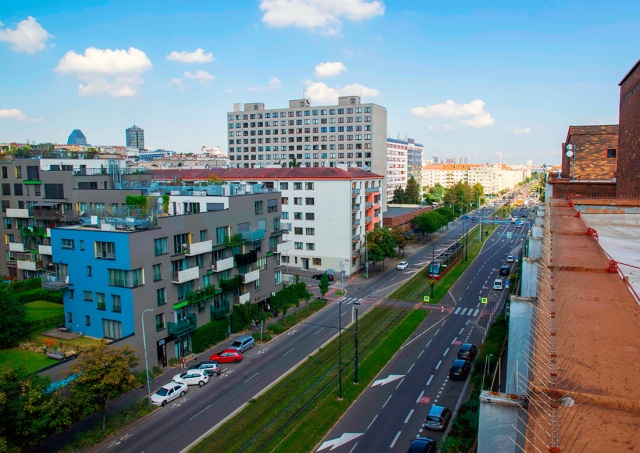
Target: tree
{"type": "Point", "coordinates": [400, 238]}
{"type": "Point", "coordinates": [430, 222]}
{"type": "Point", "coordinates": [380, 245]}
{"type": "Point", "coordinates": [13, 326]}
{"type": "Point", "coordinates": [398, 196]}
{"type": "Point", "coordinates": [324, 284]}
{"type": "Point", "coordinates": [412, 192]}
{"type": "Point", "coordinates": [30, 412]}
{"type": "Point", "coordinates": [102, 373]}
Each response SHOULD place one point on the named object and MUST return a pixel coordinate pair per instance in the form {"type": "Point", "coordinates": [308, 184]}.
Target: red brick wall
{"type": "Point", "coordinates": [591, 156]}
{"type": "Point", "coordinates": [392, 222]}
{"type": "Point", "coordinates": [565, 188]}
{"type": "Point", "coordinates": [628, 175]}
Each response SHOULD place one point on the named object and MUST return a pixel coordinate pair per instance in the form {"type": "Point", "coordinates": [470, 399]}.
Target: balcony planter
{"type": "Point", "coordinates": [232, 284]}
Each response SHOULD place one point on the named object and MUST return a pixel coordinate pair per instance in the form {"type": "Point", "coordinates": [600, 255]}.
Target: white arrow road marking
{"type": "Point", "coordinates": [335, 443]}
{"type": "Point", "coordinates": [391, 378]}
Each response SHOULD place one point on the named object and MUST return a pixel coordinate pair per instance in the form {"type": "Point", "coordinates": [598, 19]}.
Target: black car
{"type": "Point", "coordinates": [467, 351]}
{"type": "Point", "coordinates": [460, 369]}
{"type": "Point", "coordinates": [319, 276]}
{"type": "Point", "coordinates": [505, 270]}
{"type": "Point", "coordinates": [423, 444]}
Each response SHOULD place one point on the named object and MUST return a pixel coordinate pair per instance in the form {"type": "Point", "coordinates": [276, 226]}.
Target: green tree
{"type": "Point", "coordinates": [324, 284]}
{"type": "Point", "coordinates": [412, 192]}
{"type": "Point", "coordinates": [380, 244]}
{"type": "Point", "coordinates": [398, 196]}
{"type": "Point", "coordinates": [30, 413]}
{"type": "Point", "coordinates": [437, 191]}
{"type": "Point", "coordinates": [13, 326]}
{"type": "Point", "coordinates": [430, 222]}
{"type": "Point", "coordinates": [400, 238]}
{"type": "Point", "coordinates": [102, 373]}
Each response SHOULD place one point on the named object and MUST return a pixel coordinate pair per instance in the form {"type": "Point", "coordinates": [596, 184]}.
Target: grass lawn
{"type": "Point", "coordinates": [32, 361]}
{"type": "Point", "coordinates": [40, 309]}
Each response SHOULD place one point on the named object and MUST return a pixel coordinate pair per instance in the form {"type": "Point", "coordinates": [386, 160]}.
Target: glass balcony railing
{"type": "Point", "coordinates": [182, 327]}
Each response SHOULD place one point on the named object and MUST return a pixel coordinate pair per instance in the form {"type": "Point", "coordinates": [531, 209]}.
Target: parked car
{"type": "Point", "coordinates": [498, 284]}
{"type": "Point", "coordinates": [210, 367]}
{"type": "Point", "coordinates": [402, 265]}
{"type": "Point", "coordinates": [510, 259]}
{"type": "Point", "coordinates": [464, 217]}
{"type": "Point", "coordinates": [467, 351]}
{"type": "Point", "coordinates": [168, 392]}
{"type": "Point", "coordinates": [319, 276]}
{"type": "Point", "coordinates": [423, 444]}
{"type": "Point", "coordinates": [437, 418]}
{"type": "Point", "coordinates": [459, 369]}
{"type": "Point", "coordinates": [192, 376]}
{"type": "Point", "coordinates": [227, 356]}
{"type": "Point", "coordinates": [243, 343]}
{"type": "Point", "coordinates": [505, 270]}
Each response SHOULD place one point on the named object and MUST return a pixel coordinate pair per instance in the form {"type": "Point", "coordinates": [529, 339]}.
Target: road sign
{"type": "Point", "coordinates": [508, 234]}
{"type": "Point", "coordinates": [484, 300]}
{"type": "Point", "coordinates": [426, 298]}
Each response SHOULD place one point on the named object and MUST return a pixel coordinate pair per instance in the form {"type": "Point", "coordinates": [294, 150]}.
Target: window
{"type": "Point", "coordinates": [111, 329]}
{"type": "Point", "coordinates": [309, 201]}
{"type": "Point", "coordinates": [298, 245]}
{"type": "Point", "coordinates": [311, 246]}
{"type": "Point", "coordinates": [311, 216]}
{"type": "Point", "coordinates": [297, 200]}
{"type": "Point", "coordinates": [180, 243]}
{"type": "Point", "coordinates": [285, 200]}
{"type": "Point", "coordinates": [258, 207]}
{"type": "Point", "coordinates": [161, 297]}
{"type": "Point", "coordinates": [297, 215]}
{"type": "Point", "coordinates": [308, 185]}
{"type": "Point", "coordinates": [5, 173]}
{"type": "Point", "coordinates": [88, 296]}
{"type": "Point", "coordinates": [297, 186]}
{"type": "Point", "coordinates": [221, 234]}
{"type": "Point", "coordinates": [310, 231]}
{"type": "Point", "coordinates": [284, 186]}
{"type": "Point", "coordinates": [317, 261]}
{"type": "Point", "coordinates": [278, 276]}
{"type": "Point", "coordinates": [55, 191]}
{"type": "Point", "coordinates": [160, 246]}
{"type": "Point", "coordinates": [272, 205]}
{"type": "Point", "coordinates": [157, 272]}
{"type": "Point", "coordinates": [297, 230]}
{"type": "Point", "coordinates": [262, 263]}
{"type": "Point", "coordinates": [88, 271]}
{"type": "Point", "coordinates": [87, 320]}
{"type": "Point", "coordinates": [105, 250]}
{"type": "Point", "coordinates": [159, 322]}
{"type": "Point", "coordinates": [203, 235]}
{"type": "Point", "coordinates": [116, 305]}
{"type": "Point", "coordinates": [17, 189]}
{"type": "Point", "coordinates": [126, 279]}
{"type": "Point", "coordinates": [611, 154]}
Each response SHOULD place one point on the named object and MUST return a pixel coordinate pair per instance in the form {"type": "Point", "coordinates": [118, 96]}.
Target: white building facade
{"type": "Point", "coordinates": [494, 178]}
{"type": "Point", "coordinates": [396, 166]}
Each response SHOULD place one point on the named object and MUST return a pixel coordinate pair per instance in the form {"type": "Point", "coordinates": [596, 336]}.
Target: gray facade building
{"type": "Point", "coordinates": [135, 137]}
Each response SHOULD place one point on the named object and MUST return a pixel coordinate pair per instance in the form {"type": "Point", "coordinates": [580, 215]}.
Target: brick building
{"type": "Point", "coordinates": [628, 174]}
{"type": "Point", "coordinates": [595, 149]}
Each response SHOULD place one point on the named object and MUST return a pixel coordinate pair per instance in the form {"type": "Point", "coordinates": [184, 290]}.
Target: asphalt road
{"type": "Point", "coordinates": [390, 413]}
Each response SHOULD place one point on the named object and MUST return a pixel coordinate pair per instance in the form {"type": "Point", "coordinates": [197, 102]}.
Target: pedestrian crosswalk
{"type": "Point", "coordinates": [466, 311]}
{"type": "Point", "coordinates": [352, 300]}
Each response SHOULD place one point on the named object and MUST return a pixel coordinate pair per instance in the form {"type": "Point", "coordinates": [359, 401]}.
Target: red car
{"type": "Point", "coordinates": [227, 356]}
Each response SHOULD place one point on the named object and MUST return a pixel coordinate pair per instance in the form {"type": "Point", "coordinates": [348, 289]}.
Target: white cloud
{"type": "Point", "coordinates": [324, 15]}
{"type": "Point", "coordinates": [202, 76]}
{"type": "Point", "coordinates": [28, 36]}
{"type": "Point", "coordinates": [479, 117]}
{"type": "Point", "coordinates": [524, 130]}
{"type": "Point", "coordinates": [177, 83]}
{"type": "Point", "coordinates": [330, 69]}
{"type": "Point", "coordinates": [199, 56]}
{"type": "Point", "coordinates": [12, 114]}
{"type": "Point", "coordinates": [321, 92]}
{"type": "Point", "coordinates": [274, 84]}
{"type": "Point", "coordinates": [106, 72]}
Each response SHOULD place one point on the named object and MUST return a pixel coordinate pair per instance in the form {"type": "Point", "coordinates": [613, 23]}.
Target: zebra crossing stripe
{"type": "Point", "coordinates": [463, 310]}
{"type": "Point", "coordinates": [457, 310]}
{"type": "Point", "coordinates": [476, 312]}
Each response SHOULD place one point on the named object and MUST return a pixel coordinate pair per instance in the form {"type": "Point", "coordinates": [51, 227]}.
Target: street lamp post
{"type": "Point", "coordinates": [146, 360]}
{"type": "Point", "coordinates": [340, 346]}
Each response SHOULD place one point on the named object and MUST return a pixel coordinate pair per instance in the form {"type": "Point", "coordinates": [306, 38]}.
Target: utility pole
{"type": "Point", "coordinates": [340, 355]}
{"type": "Point", "coordinates": [355, 357]}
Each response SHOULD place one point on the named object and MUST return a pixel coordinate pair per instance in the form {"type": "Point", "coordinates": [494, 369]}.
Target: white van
{"type": "Point", "coordinates": [498, 284]}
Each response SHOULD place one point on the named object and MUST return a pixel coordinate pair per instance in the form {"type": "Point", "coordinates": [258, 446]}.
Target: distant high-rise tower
{"type": "Point", "coordinates": [135, 137]}
{"type": "Point", "coordinates": [77, 138]}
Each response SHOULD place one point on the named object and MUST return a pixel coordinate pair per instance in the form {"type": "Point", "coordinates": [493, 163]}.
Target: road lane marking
{"type": "Point", "coordinates": [419, 396]}
{"type": "Point", "coordinates": [385, 403]}
{"type": "Point", "coordinates": [429, 381]}
{"type": "Point", "coordinates": [468, 321]}
{"type": "Point", "coordinates": [288, 352]}
{"type": "Point", "coordinates": [476, 312]}
{"type": "Point", "coordinates": [399, 383]}
{"type": "Point", "coordinates": [320, 330]}
{"type": "Point", "coordinates": [251, 378]}
{"type": "Point", "coordinates": [374, 419]}
{"type": "Point", "coordinates": [408, 416]}
{"type": "Point", "coordinates": [411, 367]}
{"type": "Point", "coordinates": [454, 340]}
{"type": "Point", "coordinates": [461, 330]}
{"type": "Point", "coordinates": [463, 310]}
{"type": "Point", "coordinates": [428, 344]}
{"type": "Point", "coordinates": [445, 352]}
{"type": "Point", "coordinates": [421, 352]}
{"type": "Point", "coordinates": [200, 412]}
{"type": "Point", "coordinates": [438, 365]}
{"type": "Point", "coordinates": [394, 440]}
{"type": "Point", "coordinates": [457, 310]}
{"type": "Point", "coordinates": [436, 332]}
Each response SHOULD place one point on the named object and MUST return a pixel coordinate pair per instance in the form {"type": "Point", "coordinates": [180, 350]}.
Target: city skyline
{"type": "Point", "coordinates": [501, 82]}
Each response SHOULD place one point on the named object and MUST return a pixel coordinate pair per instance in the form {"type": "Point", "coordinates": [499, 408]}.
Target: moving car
{"type": "Point", "coordinates": [498, 284]}
{"type": "Point", "coordinates": [402, 265]}
{"type": "Point", "coordinates": [460, 369]}
{"type": "Point", "coordinates": [505, 270]}
{"type": "Point", "coordinates": [437, 419]}
{"type": "Point", "coordinates": [319, 276]}
{"type": "Point", "coordinates": [510, 259]}
{"type": "Point", "coordinates": [467, 351]}
{"type": "Point", "coordinates": [168, 392]}
{"type": "Point", "coordinates": [227, 356]}
{"type": "Point", "coordinates": [519, 224]}
{"type": "Point", "coordinates": [474, 217]}
{"type": "Point", "coordinates": [464, 216]}
{"type": "Point", "coordinates": [514, 219]}
{"type": "Point", "coordinates": [210, 367]}
{"type": "Point", "coordinates": [243, 343]}
{"type": "Point", "coordinates": [192, 376]}
{"type": "Point", "coordinates": [422, 444]}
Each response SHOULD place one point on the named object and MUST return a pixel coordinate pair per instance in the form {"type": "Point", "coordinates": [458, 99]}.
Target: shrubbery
{"type": "Point", "coordinates": [209, 334]}
{"type": "Point", "coordinates": [39, 294]}
{"type": "Point", "coordinates": [25, 285]}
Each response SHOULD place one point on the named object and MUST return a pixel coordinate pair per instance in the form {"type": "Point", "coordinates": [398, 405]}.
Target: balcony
{"type": "Point", "coordinates": [29, 261]}
{"type": "Point", "coordinates": [186, 275]}
{"type": "Point", "coordinates": [244, 298]}
{"type": "Point", "coordinates": [355, 254]}
{"type": "Point", "coordinates": [356, 238]}
{"type": "Point", "coordinates": [18, 213]}
{"type": "Point", "coordinates": [251, 276]}
{"type": "Point", "coordinates": [16, 247]}
{"type": "Point", "coordinates": [369, 205]}
{"type": "Point", "coordinates": [284, 246]}
{"type": "Point", "coordinates": [202, 295]}
{"type": "Point", "coordinates": [33, 232]}
{"type": "Point", "coordinates": [220, 312]}
{"type": "Point", "coordinates": [251, 236]}
{"type": "Point", "coordinates": [245, 259]}
{"type": "Point", "coordinates": [222, 265]}
{"type": "Point", "coordinates": [373, 190]}
{"type": "Point", "coordinates": [184, 326]}
{"type": "Point", "coordinates": [198, 248]}
{"type": "Point", "coordinates": [368, 220]}
{"type": "Point", "coordinates": [233, 240]}
{"type": "Point", "coordinates": [54, 281]}
{"type": "Point", "coordinates": [355, 208]}
{"type": "Point", "coordinates": [45, 250]}
{"type": "Point", "coordinates": [355, 192]}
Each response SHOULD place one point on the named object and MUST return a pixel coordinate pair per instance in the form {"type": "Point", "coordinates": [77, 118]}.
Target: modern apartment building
{"type": "Point", "coordinates": [349, 133]}
{"type": "Point", "coordinates": [135, 137]}
{"type": "Point", "coordinates": [326, 212]}
{"type": "Point", "coordinates": [396, 166]}
{"type": "Point", "coordinates": [40, 194]}
{"type": "Point", "coordinates": [215, 247]}
{"type": "Point", "coordinates": [415, 155]}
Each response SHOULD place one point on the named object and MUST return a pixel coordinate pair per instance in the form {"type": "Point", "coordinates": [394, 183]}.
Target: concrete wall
{"type": "Point", "coordinates": [628, 174]}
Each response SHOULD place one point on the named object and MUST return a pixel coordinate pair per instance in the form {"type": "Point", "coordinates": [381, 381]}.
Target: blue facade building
{"type": "Point", "coordinates": [76, 138]}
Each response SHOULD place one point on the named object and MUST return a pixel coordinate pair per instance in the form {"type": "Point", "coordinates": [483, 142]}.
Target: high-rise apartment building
{"type": "Point", "coordinates": [135, 137]}
{"type": "Point", "coordinates": [77, 138]}
{"type": "Point", "coordinates": [396, 166]}
{"type": "Point", "coordinates": [415, 152]}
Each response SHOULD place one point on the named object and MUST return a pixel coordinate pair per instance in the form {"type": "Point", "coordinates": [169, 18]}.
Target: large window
{"type": "Point", "coordinates": [161, 297]}
{"type": "Point", "coordinates": [160, 246]}
{"type": "Point", "coordinates": [221, 234]}
{"type": "Point", "coordinates": [112, 329]}
{"type": "Point", "coordinates": [68, 244]}
{"type": "Point", "coordinates": [55, 191]}
{"type": "Point", "coordinates": [116, 305]}
{"type": "Point", "coordinates": [126, 279]}
{"type": "Point", "coordinates": [157, 272]}
{"type": "Point", "coordinates": [105, 250]}
{"type": "Point", "coordinates": [180, 243]}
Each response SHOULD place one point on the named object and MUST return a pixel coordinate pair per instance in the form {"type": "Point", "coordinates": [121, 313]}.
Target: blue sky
{"type": "Point", "coordinates": [486, 80]}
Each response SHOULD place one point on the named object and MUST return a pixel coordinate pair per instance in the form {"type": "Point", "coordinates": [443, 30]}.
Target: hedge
{"type": "Point", "coordinates": [209, 334]}
{"type": "Point", "coordinates": [25, 285]}
{"type": "Point", "coordinates": [39, 294]}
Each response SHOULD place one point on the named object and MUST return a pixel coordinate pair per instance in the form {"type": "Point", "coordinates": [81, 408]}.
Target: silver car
{"type": "Point", "coordinates": [243, 343]}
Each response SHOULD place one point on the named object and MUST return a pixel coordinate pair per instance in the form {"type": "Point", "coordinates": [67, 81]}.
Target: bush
{"type": "Point", "coordinates": [265, 336]}
{"type": "Point", "coordinates": [209, 334]}
{"type": "Point", "coordinates": [173, 361]}
{"type": "Point", "coordinates": [275, 328]}
{"type": "Point", "coordinates": [317, 305]}
{"type": "Point", "coordinates": [25, 285]}
{"type": "Point", "coordinates": [38, 294]}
